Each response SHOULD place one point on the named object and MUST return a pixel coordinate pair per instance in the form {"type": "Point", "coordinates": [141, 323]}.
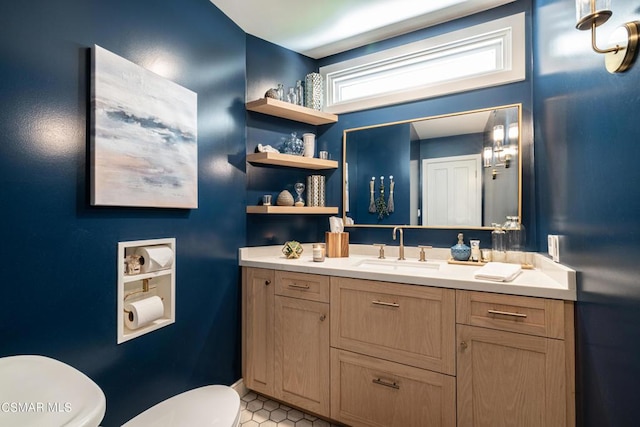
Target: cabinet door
{"type": "Point", "coordinates": [509, 379]}
{"type": "Point", "coordinates": [367, 391]}
{"type": "Point", "coordinates": [257, 329]}
{"type": "Point", "coordinates": [302, 353]}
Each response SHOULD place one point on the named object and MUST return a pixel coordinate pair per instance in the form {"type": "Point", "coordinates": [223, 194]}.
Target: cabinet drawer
{"type": "Point", "coordinates": [527, 315]}
{"type": "Point", "coordinates": [366, 391]}
{"type": "Point", "coordinates": [311, 287]}
{"type": "Point", "coordinates": [414, 325]}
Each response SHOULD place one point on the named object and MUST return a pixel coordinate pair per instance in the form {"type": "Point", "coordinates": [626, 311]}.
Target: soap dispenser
{"type": "Point", "coordinates": [460, 252]}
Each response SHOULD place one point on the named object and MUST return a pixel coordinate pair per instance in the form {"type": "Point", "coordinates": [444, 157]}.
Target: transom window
{"type": "Point", "coordinates": [489, 54]}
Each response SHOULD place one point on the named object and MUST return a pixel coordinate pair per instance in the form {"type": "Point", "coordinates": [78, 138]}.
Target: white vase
{"type": "Point", "coordinates": [309, 142]}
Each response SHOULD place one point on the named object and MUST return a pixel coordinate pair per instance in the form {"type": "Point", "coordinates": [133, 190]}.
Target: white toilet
{"type": "Point", "coordinates": [40, 391]}
{"type": "Point", "coordinates": [213, 405]}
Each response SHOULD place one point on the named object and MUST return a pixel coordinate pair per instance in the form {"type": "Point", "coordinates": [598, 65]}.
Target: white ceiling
{"type": "Point", "coordinates": [449, 126]}
{"type": "Point", "coordinates": [321, 28]}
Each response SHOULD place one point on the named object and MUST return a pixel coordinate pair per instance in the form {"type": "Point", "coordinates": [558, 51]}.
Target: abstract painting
{"type": "Point", "coordinates": [144, 148]}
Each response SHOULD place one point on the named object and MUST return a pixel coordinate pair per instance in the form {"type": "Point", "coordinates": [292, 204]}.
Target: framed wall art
{"type": "Point", "coordinates": [144, 131]}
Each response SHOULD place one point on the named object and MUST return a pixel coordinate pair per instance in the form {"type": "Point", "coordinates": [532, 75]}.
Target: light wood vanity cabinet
{"type": "Point", "coordinates": [369, 353]}
{"type": "Point", "coordinates": [515, 361]}
{"type": "Point", "coordinates": [286, 337]}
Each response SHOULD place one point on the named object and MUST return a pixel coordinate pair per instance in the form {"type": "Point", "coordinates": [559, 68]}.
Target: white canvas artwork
{"type": "Point", "coordinates": [144, 137]}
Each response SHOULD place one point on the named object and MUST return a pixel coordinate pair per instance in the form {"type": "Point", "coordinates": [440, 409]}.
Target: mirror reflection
{"type": "Point", "coordinates": [449, 171]}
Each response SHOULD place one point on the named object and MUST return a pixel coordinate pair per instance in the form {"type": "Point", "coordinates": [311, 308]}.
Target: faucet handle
{"type": "Point", "coordinates": [423, 256]}
{"type": "Point", "coordinates": [381, 245]}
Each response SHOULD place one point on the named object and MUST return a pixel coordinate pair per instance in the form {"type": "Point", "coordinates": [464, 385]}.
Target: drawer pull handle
{"type": "Point", "coordinates": [267, 282]}
{"type": "Point", "coordinates": [507, 313]}
{"type": "Point", "coordinates": [295, 285]}
{"type": "Point", "coordinates": [380, 381]}
{"type": "Point", "coordinates": [322, 317]}
{"type": "Point", "coordinates": [386, 304]}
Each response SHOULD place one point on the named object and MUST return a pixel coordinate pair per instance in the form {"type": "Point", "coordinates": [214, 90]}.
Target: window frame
{"type": "Point", "coordinates": [507, 33]}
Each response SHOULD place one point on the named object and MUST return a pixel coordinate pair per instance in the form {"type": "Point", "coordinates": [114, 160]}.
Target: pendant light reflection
{"type": "Point", "coordinates": [502, 150]}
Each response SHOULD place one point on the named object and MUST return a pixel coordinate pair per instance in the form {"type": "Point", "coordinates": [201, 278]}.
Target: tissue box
{"type": "Point", "coordinates": [337, 244]}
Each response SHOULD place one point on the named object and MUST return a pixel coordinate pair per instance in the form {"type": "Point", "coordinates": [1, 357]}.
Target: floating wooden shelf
{"type": "Point", "coordinates": [286, 110]}
{"type": "Point", "coordinates": [302, 210]}
{"type": "Point", "coordinates": [290, 160]}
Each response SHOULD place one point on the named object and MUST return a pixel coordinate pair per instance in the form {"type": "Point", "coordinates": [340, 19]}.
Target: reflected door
{"type": "Point", "coordinates": [451, 191]}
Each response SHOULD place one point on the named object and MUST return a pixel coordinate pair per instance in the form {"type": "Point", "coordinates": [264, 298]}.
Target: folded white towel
{"type": "Point", "coordinates": [498, 272]}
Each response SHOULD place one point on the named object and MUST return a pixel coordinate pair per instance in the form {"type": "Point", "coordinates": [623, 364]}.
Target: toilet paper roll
{"type": "Point", "coordinates": [143, 312]}
{"type": "Point", "coordinates": [157, 257]}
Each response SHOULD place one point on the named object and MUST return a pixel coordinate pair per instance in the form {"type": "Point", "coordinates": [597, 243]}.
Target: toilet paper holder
{"type": "Point", "coordinates": [145, 288]}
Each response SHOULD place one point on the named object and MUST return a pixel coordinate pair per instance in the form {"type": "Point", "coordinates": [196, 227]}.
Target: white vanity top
{"type": "Point", "coordinates": [546, 280]}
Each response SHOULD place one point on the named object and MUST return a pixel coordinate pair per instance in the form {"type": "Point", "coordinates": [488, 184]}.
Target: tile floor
{"type": "Point", "coordinates": [260, 411]}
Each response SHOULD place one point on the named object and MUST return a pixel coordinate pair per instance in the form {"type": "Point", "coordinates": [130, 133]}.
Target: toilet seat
{"type": "Point", "coordinates": [209, 406]}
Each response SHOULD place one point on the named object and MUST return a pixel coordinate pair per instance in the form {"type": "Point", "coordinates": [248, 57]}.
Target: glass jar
{"type": "Point", "coordinates": [515, 240]}
{"type": "Point", "coordinates": [292, 145]}
{"type": "Point", "coordinates": [498, 244]}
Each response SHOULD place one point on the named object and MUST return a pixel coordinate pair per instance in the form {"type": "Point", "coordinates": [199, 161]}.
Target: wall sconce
{"type": "Point", "coordinates": [593, 13]}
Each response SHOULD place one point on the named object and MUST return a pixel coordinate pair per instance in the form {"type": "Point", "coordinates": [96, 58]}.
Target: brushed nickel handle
{"type": "Point", "coordinates": [386, 304]}
{"type": "Point", "coordinates": [295, 285]}
{"type": "Point", "coordinates": [380, 381]}
{"type": "Point", "coordinates": [267, 282]}
{"type": "Point", "coordinates": [507, 313]}
{"type": "Point", "coordinates": [322, 317]}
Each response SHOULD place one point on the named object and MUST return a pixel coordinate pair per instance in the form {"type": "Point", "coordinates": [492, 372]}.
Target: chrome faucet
{"type": "Point", "coordinates": [401, 247]}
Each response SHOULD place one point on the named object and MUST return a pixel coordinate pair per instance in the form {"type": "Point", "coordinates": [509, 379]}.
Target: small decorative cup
{"type": "Point", "coordinates": [324, 155]}
{"type": "Point", "coordinates": [309, 141]}
{"type": "Point", "coordinates": [318, 252]}
{"type": "Point", "coordinates": [266, 200]}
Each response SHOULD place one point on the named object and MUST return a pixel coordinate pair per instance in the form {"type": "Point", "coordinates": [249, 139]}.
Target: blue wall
{"type": "Point", "coordinates": [587, 151]}
{"type": "Point", "coordinates": [376, 152]}
{"type": "Point", "coordinates": [59, 253]}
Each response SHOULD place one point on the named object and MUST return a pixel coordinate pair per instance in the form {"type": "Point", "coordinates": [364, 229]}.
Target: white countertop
{"type": "Point", "coordinates": [546, 280]}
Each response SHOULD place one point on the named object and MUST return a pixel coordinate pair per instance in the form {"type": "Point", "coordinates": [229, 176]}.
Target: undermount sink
{"type": "Point", "coordinates": [40, 391]}
{"type": "Point", "coordinates": [396, 265]}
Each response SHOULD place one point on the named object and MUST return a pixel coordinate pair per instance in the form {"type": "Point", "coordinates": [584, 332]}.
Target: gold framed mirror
{"type": "Point", "coordinates": [458, 170]}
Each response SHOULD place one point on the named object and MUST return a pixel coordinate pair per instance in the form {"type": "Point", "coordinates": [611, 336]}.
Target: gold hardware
{"type": "Point", "coordinates": [381, 254]}
{"type": "Point", "coordinates": [386, 304]}
{"type": "Point", "coordinates": [506, 313]}
{"type": "Point", "coordinates": [423, 256]}
{"type": "Point", "coordinates": [401, 246]}
{"type": "Point", "coordinates": [322, 317]}
{"type": "Point", "coordinates": [380, 381]}
{"type": "Point", "coordinates": [295, 285]}
{"type": "Point", "coordinates": [620, 57]}
{"type": "Point", "coordinates": [463, 345]}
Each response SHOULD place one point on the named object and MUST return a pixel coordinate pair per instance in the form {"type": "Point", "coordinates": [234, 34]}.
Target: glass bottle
{"type": "Point", "coordinates": [498, 237]}
{"type": "Point", "coordinates": [300, 92]}
{"type": "Point", "coordinates": [280, 91]}
{"type": "Point", "coordinates": [292, 97]}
